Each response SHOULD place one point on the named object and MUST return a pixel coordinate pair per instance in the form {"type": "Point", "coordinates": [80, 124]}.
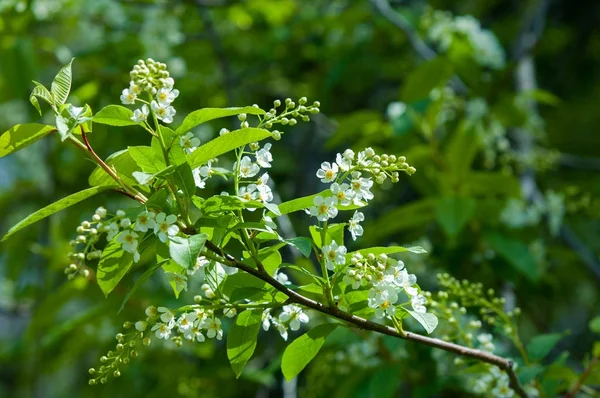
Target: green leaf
{"type": "Point", "coordinates": [61, 85]}
{"type": "Point", "coordinates": [302, 350]}
{"type": "Point", "coordinates": [142, 279]}
{"type": "Point", "coordinates": [302, 244]}
{"type": "Point", "coordinates": [541, 345]}
{"type": "Point", "coordinates": [114, 115]}
{"type": "Point", "coordinates": [200, 116]}
{"type": "Point", "coordinates": [176, 275]}
{"type": "Point", "coordinates": [184, 180]}
{"type": "Point", "coordinates": [42, 92]}
{"type": "Point", "coordinates": [454, 212]}
{"type": "Point", "coordinates": [249, 293]}
{"type": "Point", "coordinates": [335, 232]}
{"type": "Point", "coordinates": [516, 253]}
{"type": "Point", "coordinates": [528, 373]}
{"type": "Point", "coordinates": [221, 203]}
{"type": "Point", "coordinates": [185, 251]}
{"type": "Point", "coordinates": [125, 166]}
{"type": "Point", "coordinates": [146, 158]}
{"type": "Point", "coordinates": [53, 208]}
{"type": "Point", "coordinates": [241, 339]}
{"type": "Point", "coordinates": [427, 320]}
{"type": "Point", "coordinates": [460, 153]}
{"type": "Point", "coordinates": [426, 77]}
{"type": "Point", "coordinates": [142, 178]}
{"type": "Point", "coordinates": [595, 324]}
{"type": "Point", "coordinates": [241, 280]}
{"type": "Point", "coordinates": [113, 265]}
{"type": "Point", "coordinates": [387, 250]}
{"type": "Point", "coordinates": [22, 135]}
{"type": "Point", "coordinates": [226, 143]}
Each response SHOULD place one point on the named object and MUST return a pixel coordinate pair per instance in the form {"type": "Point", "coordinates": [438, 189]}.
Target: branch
{"type": "Point", "coordinates": [504, 364]}
{"type": "Point", "coordinates": [584, 375]}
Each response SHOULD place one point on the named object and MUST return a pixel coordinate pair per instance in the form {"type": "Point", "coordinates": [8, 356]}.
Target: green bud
{"type": "Point", "coordinates": [302, 101]}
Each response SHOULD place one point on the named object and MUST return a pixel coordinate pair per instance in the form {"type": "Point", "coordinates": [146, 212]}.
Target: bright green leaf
{"type": "Point", "coordinates": [125, 166]}
{"type": "Point", "coordinates": [146, 158]}
{"type": "Point", "coordinates": [540, 346]}
{"type": "Point", "coordinates": [226, 143]}
{"type": "Point", "coordinates": [200, 116]}
{"type": "Point", "coordinates": [61, 85]}
{"type": "Point", "coordinates": [302, 350]}
{"type": "Point", "coordinates": [387, 250]}
{"type": "Point", "coordinates": [22, 135]}
{"type": "Point", "coordinates": [39, 91]}
{"type": "Point", "coordinates": [113, 265]}
{"type": "Point", "coordinates": [241, 339]}
{"type": "Point", "coordinates": [114, 115]}
{"type": "Point", "coordinates": [185, 251]}
{"type": "Point", "coordinates": [184, 179]}
{"type": "Point", "coordinates": [53, 208]}
{"type": "Point", "coordinates": [427, 320]}
{"type": "Point", "coordinates": [595, 324]}
{"type": "Point", "coordinates": [306, 202]}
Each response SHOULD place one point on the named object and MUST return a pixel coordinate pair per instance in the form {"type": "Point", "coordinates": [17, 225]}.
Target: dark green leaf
{"type": "Point", "coordinates": [142, 279]}
{"type": "Point", "coordinates": [184, 180]}
{"type": "Point", "coordinates": [301, 243]}
{"type": "Point", "coordinates": [541, 345]}
{"type": "Point", "coordinates": [241, 339]}
{"type": "Point", "coordinates": [22, 135]}
{"type": "Point", "coordinates": [113, 265]}
{"type": "Point", "coordinates": [302, 350]}
{"type": "Point", "coordinates": [429, 75]}
{"type": "Point", "coordinates": [454, 212]}
{"type": "Point", "coordinates": [200, 116]}
{"type": "Point", "coordinates": [53, 208]}
{"type": "Point", "coordinates": [516, 253]}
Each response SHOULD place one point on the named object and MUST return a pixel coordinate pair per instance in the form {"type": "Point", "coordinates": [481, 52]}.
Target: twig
{"type": "Point", "coordinates": [584, 375]}
{"type": "Point", "coordinates": [504, 364]}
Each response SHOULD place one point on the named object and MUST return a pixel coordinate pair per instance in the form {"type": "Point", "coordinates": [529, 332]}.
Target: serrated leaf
{"type": "Point", "coordinates": [114, 115]}
{"type": "Point", "coordinates": [22, 135]}
{"type": "Point", "coordinates": [427, 320]}
{"type": "Point", "coordinates": [113, 265]}
{"type": "Point", "coordinates": [540, 346]}
{"type": "Point", "coordinates": [200, 116]}
{"type": "Point", "coordinates": [302, 244]}
{"type": "Point", "coordinates": [226, 143]}
{"type": "Point", "coordinates": [141, 280]}
{"type": "Point", "coordinates": [185, 251]}
{"type": "Point", "coordinates": [303, 350]}
{"type": "Point", "coordinates": [42, 92]}
{"type": "Point", "coordinates": [241, 339]}
{"type": "Point", "coordinates": [53, 208]}
{"type": "Point", "coordinates": [61, 85]}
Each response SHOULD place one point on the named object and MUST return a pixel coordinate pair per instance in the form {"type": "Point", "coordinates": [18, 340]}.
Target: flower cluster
{"type": "Point", "coordinates": [247, 170]}
{"type": "Point", "coordinates": [152, 78]}
{"type": "Point", "coordinates": [386, 278]}
{"type": "Point", "coordinates": [290, 114]}
{"type": "Point", "coordinates": [88, 234]}
{"type": "Point", "coordinates": [444, 29]}
{"type": "Point", "coordinates": [519, 214]}
{"type": "Point", "coordinates": [291, 317]}
{"type": "Point", "coordinates": [190, 325]}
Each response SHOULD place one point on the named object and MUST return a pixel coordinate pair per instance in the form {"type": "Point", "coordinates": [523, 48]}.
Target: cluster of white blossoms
{"type": "Point", "coordinates": [88, 234]}
{"type": "Point", "coordinates": [152, 78]}
{"type": "Point", "coordinates": [443, 29]}
{"type": "Point", "coordinates": [291, 317]}
{"type": "Point", "coordinates": [247, 170]}
{"type": "Point", "coordinates": [519, 214]}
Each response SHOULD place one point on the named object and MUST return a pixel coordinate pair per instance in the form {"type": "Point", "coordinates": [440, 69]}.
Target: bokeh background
{"type": "Point", "coordinates": [494, 102]}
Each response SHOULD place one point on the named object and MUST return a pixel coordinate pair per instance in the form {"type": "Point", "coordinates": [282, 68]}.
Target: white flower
{"type": "Point", "coordinates": [418, 303]}
{"type": "Point", "coordinates": [194, 333]}
{"type": "Point", "coordinates": [201, 262]}
{"type": "Point", "coordinates": [128, 97]}
{"type": "Point", "coordinates": [165, 226]}
{"type": "Point", "coordinates": [166, 316]}
{"type": "Point", "coordinates": [247, 168]}
{"type": "Point", "coordinates": [129, 243]}
{"type": "Point", "coordinates": [282, 278]}
{"type": "Point", "coordinates": [140, 115]}
{"type": "Point", "coordinates": [354, 224]}
{"type": "Point", "coordinates": [248, 193]}
{"type": "Point", "coordinates": [334, 254]}
{"type": "Point", "coordinates": [197, 173]}
{"type": "Point", "coordinates": [101, 212]}
{"type": "Point", "coordinates": [141, 325]}
{"type": "Point", "coordinates": [327, 172]}
{"type": "Point", "coordinates": [406, 281]}
{"type": "Point", "coordinates": [361, 186]}
{"type": "Point", "coordinates": [281, 328]}
{"type": "Point", "coordinates": [343, 193]}
{"type": "Point", "coordinates": [264, 193]}
{"type": "Point", "coordinates": [125, 223]}
{"type": "Point", "coordinates": [111, 230]}
{"type": "Point", "coordinates": [151, 311]}
{"type": "Point", "coordinates": [168, 82]}
{"type": "Point", "coordinates": [344, 161]}
{"type": "Point", "coordinates": [179, 280]}
{"type": "Point", "coordinates": [324, 209]}
{"type": "Point", "coordinates": [382, 297]}
{"type": "Point", "coordinates": [166, 95]}
{"type": "Point", "coordinates": [145, 221]}
{"type": "Point", "coordinates": [162, 330]}
{"type": "Point", "coordinates": [189, 142]}
{"type": "Point", "coordinates": [186, 321]}
{"type": "Point", "coordinates": [396, 109]}
{"type": "Point", "coordinates": [134, 88]}
{"type": "Point", "coordinates": [266, 319]}
{"type": "Point", "coordinates": [163, 112]}
{"type": "Point", "coordinates": [264, 157]}
{"type": "Point", "coordinates": [213, 327]}
{"type": "Point", "coordinates": [294, 315]}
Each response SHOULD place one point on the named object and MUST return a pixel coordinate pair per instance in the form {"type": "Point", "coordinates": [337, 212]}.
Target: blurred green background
{"type": "Point", "coordinates": [506, 190]}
